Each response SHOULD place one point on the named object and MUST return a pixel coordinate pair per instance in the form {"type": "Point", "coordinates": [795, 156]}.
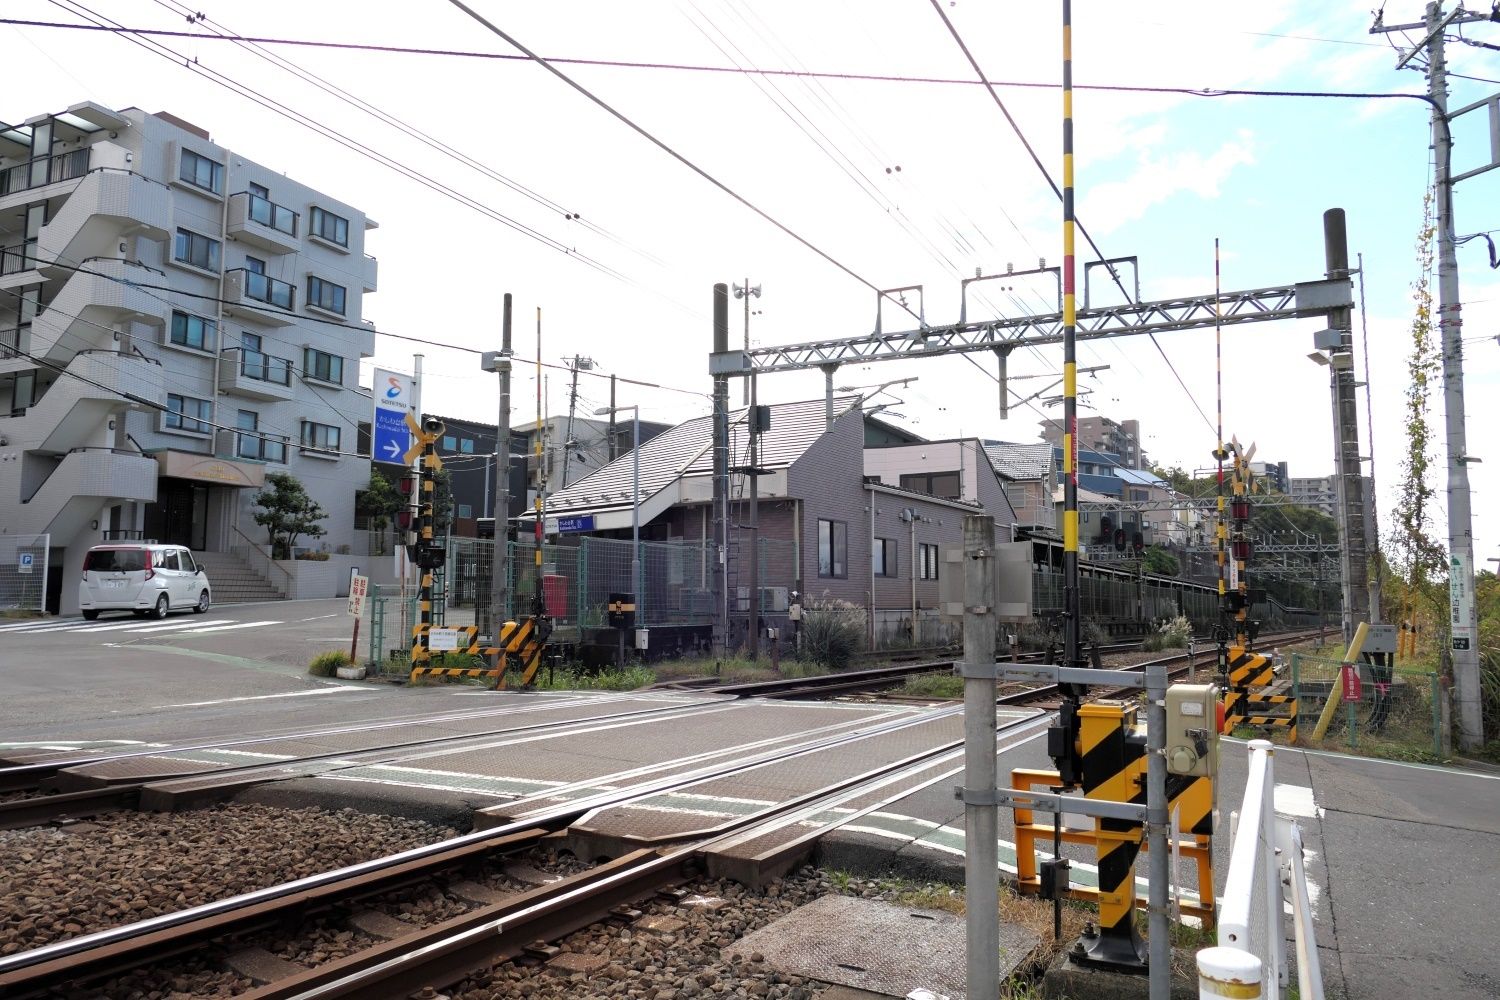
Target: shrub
{"type": "Point", "coordinates": [1175, 633]}
{"type": "Point", "coordinates": [327, 664]}
{"type": "Point", "coordinates": [312, 556]}
{"type": "Point", "coordinates": [832, 631]}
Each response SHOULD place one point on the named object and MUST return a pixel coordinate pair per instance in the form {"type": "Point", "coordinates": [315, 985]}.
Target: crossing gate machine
{"type": "Point", "coordinates": [520, 643]}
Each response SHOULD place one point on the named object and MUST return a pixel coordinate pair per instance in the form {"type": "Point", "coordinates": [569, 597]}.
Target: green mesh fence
{"type": "Point", "coordinates": [1397, 708]}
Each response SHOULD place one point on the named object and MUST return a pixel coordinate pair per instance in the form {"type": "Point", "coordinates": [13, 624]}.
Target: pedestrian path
{"type": "Point", "coordinates": [118, 628]}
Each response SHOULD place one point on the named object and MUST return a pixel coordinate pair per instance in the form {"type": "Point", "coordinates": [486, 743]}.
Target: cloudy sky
{"type": "Point", "coordinates": [911, 181]}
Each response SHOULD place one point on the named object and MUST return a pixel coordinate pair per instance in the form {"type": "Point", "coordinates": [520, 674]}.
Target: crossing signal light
{"type": "Point", "coordinates": [1105, 524]}
{"type": "Point", "coordinates": [1240, 510]}
{"type": "Point", "coordinates": [1138, 542]}
{"type": "Point", "coordinates": [1241, 547]}
{"type": "Point", "coordinates": [1119, 539]}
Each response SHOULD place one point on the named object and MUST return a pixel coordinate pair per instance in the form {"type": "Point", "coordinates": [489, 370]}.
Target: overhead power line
{"type": "Point", "coordinates": [696, 67]}
{"type": "Point", "coordinates": [640, 130]}
{"type": "Point", "coordinates": [1015, 127]}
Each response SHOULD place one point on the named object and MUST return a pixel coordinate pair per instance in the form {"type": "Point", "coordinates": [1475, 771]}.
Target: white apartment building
{"type": "Point", "coordinates": [176, 321]}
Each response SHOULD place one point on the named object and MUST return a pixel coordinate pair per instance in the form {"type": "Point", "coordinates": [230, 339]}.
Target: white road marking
{"type": "Point", "coordinates": [266, 697]}
{"type": "Point", "coordinates": [195, 623]}
{"type": "Point", "coordinates": [136, 626]}
{"type": "Point", "coordinates": [42, 626]}
{"type": "Point", "coordinates": [317, 618]}
{"type": "Point", "coordinates": [1296, 800]}
{"type": "Point", "coordinates": [226, 628]}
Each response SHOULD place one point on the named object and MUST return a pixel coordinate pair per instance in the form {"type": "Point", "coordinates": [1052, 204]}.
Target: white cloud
{"type": "Point", "coordinates": [1160, 176]}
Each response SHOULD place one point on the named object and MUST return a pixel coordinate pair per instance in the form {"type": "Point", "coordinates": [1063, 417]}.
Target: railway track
{"type": "Point", "coordinates": [447, 951]}
{"type": "Point", "coordinates": [159, 767]}
{"type": "Point", "coordinates": [876, 678]}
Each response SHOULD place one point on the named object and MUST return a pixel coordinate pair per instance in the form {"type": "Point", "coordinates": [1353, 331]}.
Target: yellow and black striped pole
{"type": "Point", "coordinates": [427, 517]}
{"type": "Point", "coordinates": [1114, 770]}
{"type": "Point", "coordinates": [1073, 654]}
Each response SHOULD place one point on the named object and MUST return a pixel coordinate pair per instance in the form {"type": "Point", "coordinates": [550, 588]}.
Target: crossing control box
{"type": "Point", "coordinates": [1192, 741]}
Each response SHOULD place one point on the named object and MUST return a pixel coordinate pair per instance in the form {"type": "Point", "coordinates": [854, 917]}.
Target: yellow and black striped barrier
{"type": "Point", "coordinates": [1254, 697]}
{"type": "Point", "coordinates": [1114, 769]}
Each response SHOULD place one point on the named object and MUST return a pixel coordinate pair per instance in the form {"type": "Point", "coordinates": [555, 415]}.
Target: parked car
{"type": "Point", "coordinates": [146, 579]}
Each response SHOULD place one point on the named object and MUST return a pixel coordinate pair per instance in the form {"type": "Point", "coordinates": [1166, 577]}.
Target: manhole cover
{"type": "Point", "coordinates": [877, 946]}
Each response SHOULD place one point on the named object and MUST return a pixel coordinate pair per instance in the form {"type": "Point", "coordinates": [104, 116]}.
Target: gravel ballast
{"type": "Point", "coordinates": [58, 883]}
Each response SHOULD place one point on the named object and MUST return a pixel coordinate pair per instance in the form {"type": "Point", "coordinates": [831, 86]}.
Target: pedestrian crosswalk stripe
{"type": "Point", "coordinates": [135, 625]}
{"type": "Point", "coordinates": [226, 628]}
{"type": "Point", "coordinates": [40, 626]}
{"type": "Point", "coordinates": [195, 623]}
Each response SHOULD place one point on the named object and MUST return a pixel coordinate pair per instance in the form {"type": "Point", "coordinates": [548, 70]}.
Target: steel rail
{"type": "Point", "coordinates": [132, 944]}
{"type": "Point", "coordinates": [17, 776]}
{"type": "Point", "coordinates": [126, 793]}
{"type": "Point", "coordinates": [447, 952]}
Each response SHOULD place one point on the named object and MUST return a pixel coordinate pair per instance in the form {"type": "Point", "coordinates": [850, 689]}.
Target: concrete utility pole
{"type": "Point", "coordinates": [578, 363]}
{"type": "Point", "coordinates": [1349, 479]}
{"type": "Point", "coordinates": [1462, 620]}
{"type": "Point", "coordinates": [500, 563]}
{"type": "Point", "coordinates": [745, 291]}
{"type": "Point", "coordinates": [721, 475]}
{"type": "Point", "coordinates": [981, 815]}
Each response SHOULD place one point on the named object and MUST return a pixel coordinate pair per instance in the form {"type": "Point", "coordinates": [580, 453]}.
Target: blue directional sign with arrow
{"type": "Point", "coordinates": [391, 430]}
{"type": "Point", "coordinates": [391, 437]}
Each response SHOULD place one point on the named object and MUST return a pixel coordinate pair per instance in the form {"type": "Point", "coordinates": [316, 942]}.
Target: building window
{"type": "Point", "coordinates": [883, 557]}
{"type": "Point", "coordinates": [938, 484]}
{"type": "Point", "coordinates": [362, 438]}
{"type": "Point", "coordinates": [450, 443]}
{"type": "Point", "coordinates": [333, 228]}
{"type": "Point", "coordinates": [928, 554]}
{"type": "Point", "coordinates": [199, 251]}
{"type": "Point", "coordinates": [200, 171]}
{"type": "Point", "coordinates": [192, 331]}
{"type": "Point", "coordinates": [833, 549]}
{"type": "Point", "coordinates": [466, 445]}
{"type": "Point", "coordinates": [185, 413]}
{"type": "Point", "coordinates": [251, 444]}
{"type": "Point", "coordinates": [465, 510]}
{"type": "Point", "coordinates": [322, 366]}
{"type": "Point", "coordinates": [319, 437]}
{"type": "Point", "coordinates": [325, 294]}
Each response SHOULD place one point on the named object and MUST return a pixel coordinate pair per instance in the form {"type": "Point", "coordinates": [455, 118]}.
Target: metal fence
{"type": "Point", "coordinates": [23, 572]}
{"type": "Point", "coordinates": [676, 579]}
{"type": "Point", "coordinates": [1395, 706]}
{"type": "Point", "coordinates": [1265, 866]}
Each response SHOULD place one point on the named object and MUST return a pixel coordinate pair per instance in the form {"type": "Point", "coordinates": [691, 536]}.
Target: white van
{"type": "Point", "coordinates": [146, 579]}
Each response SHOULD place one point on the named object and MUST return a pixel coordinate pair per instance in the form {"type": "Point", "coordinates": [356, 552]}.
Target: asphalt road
{"type": "Point", "coordinates": [128, 678]}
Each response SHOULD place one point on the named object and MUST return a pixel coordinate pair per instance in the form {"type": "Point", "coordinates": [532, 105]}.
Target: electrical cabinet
{"type": "Point", "coordinates": [1192, 741]}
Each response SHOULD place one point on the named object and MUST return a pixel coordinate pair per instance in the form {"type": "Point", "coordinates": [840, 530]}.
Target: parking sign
{"type": "Point", "coordinates": [24, 562]}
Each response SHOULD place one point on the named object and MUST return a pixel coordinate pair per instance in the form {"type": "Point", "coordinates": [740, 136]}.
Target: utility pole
{"type": "Point", "coordinates": [1350, 489]}
{"type": "Point", "coordinates": [577, 364]}
{"type": "Point", "coordinates": [500, 563]}
{"type": "Point", "coordinates": [745, 291]}
{"type": "Point", "coordinates": [1465, 632]}
{"type": "Point", "coordinates": [721, 475]}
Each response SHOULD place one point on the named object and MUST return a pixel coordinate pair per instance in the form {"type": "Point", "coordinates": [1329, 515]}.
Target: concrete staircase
{"type": "Point", "coordinates": [233, 581]}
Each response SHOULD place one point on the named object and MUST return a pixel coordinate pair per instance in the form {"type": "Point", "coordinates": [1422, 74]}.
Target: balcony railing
{"type": "Point", "coordinates": [264, 288]}
{"type": "Point", "coordinates": [44, 170]}
{"type": "Point", "coordinates": [10, 342]}
{"type": "Point", "coordinates": [21, 257]}
{"type": "Point", "coordinates": [271, 215]}
{"type": "Point", "coordinates": [265, 367]}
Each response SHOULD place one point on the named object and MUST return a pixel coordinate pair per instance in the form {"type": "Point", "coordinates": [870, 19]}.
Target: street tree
{"type": "Point", "coordinates": [287, 512]}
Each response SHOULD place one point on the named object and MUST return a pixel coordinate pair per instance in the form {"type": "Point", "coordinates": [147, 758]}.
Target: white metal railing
{"type": "Point", "coordinates": [1264, 861]}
